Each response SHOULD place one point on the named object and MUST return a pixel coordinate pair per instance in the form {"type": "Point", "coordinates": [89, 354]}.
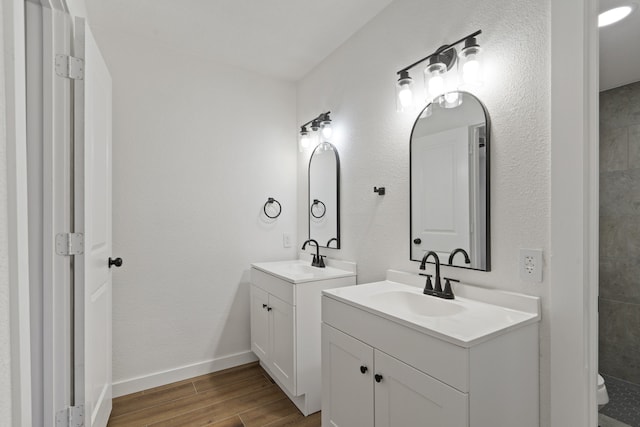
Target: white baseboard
{"type": "Point", "coordinates": [133, 385]}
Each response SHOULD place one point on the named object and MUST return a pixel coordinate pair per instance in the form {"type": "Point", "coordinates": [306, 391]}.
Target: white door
{"type": "Point", "coordinates": [440, 193]}
{"type": "Point", "coordinates": [92, 176]}
{"type": "Point", "coordinates": [347, 380]}
{"type": "Point", "coordinates": [282, 342]}
{"type": "Point", "coordinates": [260, 323]}
{"type": "Point", "coordinates": [406, 397]}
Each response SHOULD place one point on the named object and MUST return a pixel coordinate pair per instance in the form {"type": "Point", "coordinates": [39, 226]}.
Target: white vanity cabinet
{"type": "Point", "coordinates": [286, 323]}
{"type": "Point", "coordinates": [362, 384]}
{"type": "Point", "coordinates": [391, 362]}
{"type": "Point", "coordinates": [273, 335]}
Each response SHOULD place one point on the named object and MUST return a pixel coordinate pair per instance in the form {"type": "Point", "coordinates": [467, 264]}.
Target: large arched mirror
{"type": "Point", "coordinates": [324, 196]}
{"type": "Point", "coordinates": [450, 183]}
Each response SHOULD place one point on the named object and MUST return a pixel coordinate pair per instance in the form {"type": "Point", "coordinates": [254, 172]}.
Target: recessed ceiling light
{"type": "Point", "coordinates": [614, 15]}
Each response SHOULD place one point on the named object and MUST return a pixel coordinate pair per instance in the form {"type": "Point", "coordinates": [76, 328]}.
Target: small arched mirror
{"type": "Point", "coordinates": [324, 196]}
{"type": "Point", "coordinates": [450, 182]}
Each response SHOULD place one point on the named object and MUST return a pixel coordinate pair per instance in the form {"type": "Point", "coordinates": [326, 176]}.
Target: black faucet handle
{"type": "Point", "coordinates": [428, 286]}
{"type": "Point", "coordinates": [448, 292]}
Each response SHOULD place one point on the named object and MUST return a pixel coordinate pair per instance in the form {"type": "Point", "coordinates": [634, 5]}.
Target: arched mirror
{"type": "Point", "coordinates": [450, 182]}
{"type": "Point", "coordinates": [324, 196]}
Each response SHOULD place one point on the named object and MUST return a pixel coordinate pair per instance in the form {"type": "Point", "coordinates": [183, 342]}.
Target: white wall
{"type": "Point", "coordinates": [357, 84]}
{"type": "Point", "coordinates": [198, 149]}
{"type": "Point", "coordinates": [5, 332]}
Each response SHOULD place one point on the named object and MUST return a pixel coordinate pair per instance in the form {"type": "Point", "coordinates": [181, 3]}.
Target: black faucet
{"type": "Point", "coordinates": [318, 260]}
{"type": "Point", "coordinates": [437, 290]}
{"type": "Point", "coordinates": [467, 260]}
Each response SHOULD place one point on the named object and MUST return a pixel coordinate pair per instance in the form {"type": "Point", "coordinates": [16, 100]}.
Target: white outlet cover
{"type": "Point", "coordinates": [530, 265]}
{"type": "Point", "coordinates": [286, 240]}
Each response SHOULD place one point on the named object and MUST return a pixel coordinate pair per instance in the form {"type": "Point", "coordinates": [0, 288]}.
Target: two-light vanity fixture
{"type": "Point", "coordinates": [321, 123]}
{"type": "Point", "coordinates": [446, 74]}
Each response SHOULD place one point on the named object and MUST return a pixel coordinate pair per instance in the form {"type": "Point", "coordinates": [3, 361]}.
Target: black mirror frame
{"type": "Point", "coordinates": [488, 189]}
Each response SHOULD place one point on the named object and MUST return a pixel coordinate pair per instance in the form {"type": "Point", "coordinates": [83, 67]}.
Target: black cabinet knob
{"type": "Point", "coordinates": [117, 262]}
{"type": "Point", "coordinates": [417, 240]}
{"type": "Point", "coordinates": [269, 309]}
{"type": "Point", "coordinates": [363, 369]}
{"type": "Point", "coordinates": [264, 305]}
{"type": "Point", "coordinates": [378, 377]}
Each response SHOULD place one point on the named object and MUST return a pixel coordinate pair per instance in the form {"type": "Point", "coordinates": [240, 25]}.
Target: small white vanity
{"type": "Point", "coordinates": [392, 356]}
{"type": "Point", "coordinates": [286, 323]}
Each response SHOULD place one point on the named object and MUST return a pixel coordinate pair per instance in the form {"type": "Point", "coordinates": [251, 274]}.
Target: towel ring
{"type": "Point", "coordinates": [324, 208]}
{"type": "Point", "coordinates": [271, 200]}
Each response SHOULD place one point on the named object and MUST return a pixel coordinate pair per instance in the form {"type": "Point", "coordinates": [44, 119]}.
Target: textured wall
{"type": "Point", "coordinates": [357, 84]}
{"type": "Point", "coordinates": [197, 150]}
{"type": "Point", "coordinates": [5, 336]}
{"type": "Point", "coordinates": [620, 232]}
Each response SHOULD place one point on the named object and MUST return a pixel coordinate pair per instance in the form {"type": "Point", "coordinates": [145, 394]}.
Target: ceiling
{"type": "Point", "coordinates": [281, 38]}
{"type": "Point", "coordinates": [620, 47]}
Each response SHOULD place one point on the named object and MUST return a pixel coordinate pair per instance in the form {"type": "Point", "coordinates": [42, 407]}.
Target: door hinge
{"type": "Point", "coordinates": [69, 67]}
{"type": "Point", "coordinates": [72, 416]}
{"type": "Point", "coordinates": [69, 244]}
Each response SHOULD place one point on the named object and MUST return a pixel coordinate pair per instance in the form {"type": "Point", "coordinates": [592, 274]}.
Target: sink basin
{"type": "Point", "coordinates": [300, 271]}
{"type": "Point", "coordinates": [424, 305]}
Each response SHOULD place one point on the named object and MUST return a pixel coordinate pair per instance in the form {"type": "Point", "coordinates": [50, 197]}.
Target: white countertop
{"type": "Point", "coordinates": [463, 321]}
{"type": "Point", "coordinates": [300, 271]}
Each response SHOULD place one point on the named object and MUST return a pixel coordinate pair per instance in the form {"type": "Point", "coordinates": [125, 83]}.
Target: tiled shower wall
{"type": "Point", "coordinates": [620, 232]}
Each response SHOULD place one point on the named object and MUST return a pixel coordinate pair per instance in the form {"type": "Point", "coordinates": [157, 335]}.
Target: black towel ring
{"type": "Point", "coordinates": [271, 200]}
{"type": "Point", "coordinates": [324, 208]}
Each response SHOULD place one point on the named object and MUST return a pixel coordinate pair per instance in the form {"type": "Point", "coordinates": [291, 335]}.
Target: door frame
{"type": "Point", "coordinates": [573, 261]}
{"type": "Point", "coordinates": [17, 209]}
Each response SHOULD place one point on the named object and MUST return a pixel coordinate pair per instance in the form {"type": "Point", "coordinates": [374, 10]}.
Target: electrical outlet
{"type": "Point", "coordinates": [531, 265]}
{"type": "Point", "coordinates": [286, 240]}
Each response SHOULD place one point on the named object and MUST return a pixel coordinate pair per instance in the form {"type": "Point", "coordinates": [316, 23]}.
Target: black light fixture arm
{"type": "Point", "coordinates": [317, 119]}
{"type": "Point", "coordinates": [437, 52]}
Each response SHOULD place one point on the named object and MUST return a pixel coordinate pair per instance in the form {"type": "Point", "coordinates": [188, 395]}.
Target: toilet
{"type": "Point", "coordinates": [602, 397]}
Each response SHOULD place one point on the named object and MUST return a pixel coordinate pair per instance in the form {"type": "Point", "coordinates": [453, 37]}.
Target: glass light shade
{"type": "Point", "coordinates": [305, 141]}
{"type": "Point", "coordinates": [434, 80]}
{"type": "Point", "coordinates": [404, 93]}
{"type": "Point", "coordinates": [470, 66]}
{"type": "Point", "coordinates": [327, 131]}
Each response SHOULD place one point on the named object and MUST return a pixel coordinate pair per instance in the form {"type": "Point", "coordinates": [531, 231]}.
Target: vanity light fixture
{"type": "Point", "coordinates": [445, 74]}
{"type": "Point", "coordinates": [321, 123]}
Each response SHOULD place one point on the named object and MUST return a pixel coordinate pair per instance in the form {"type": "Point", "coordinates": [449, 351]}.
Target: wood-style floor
{"type": "Point", "coordinates": [244, 396]}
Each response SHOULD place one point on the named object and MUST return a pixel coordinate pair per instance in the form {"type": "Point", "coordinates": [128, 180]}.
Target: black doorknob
{"type": "Point", "coordinates": [378, 377]}
{"type": "Point", "coordinates": [417, 240]}
{"type": "Point", "coordinates": [363, 369]}
{"type": "Point", "coordinates": [117, 262]}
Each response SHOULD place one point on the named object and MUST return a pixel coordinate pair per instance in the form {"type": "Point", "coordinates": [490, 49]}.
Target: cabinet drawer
{"type": "Point", "coordinates": [273, 285]}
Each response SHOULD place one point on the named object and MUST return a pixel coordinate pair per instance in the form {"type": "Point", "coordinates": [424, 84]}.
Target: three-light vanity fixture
{"type": "Point", "coordinates": [447, 73]}
{"type": "Point", "coordinates": [321, 123]}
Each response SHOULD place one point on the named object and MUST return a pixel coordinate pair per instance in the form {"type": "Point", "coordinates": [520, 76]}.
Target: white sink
{"type": "Point", "coordinates": [300, 271]}
{"type": "Point", "coordinates": [474, 316]}
{"type": "Point", "coordinates": [412, 302]}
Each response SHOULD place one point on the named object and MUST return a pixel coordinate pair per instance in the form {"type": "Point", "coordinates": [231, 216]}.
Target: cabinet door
{"type": "Point", "coordinates": [406, 397]}
{"type": "Point", "coordinates": [282, 342]}
{"type": "Point", "coordinates": [259, 323]}
{"type": "Point", "coordinates": [347, 391]}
